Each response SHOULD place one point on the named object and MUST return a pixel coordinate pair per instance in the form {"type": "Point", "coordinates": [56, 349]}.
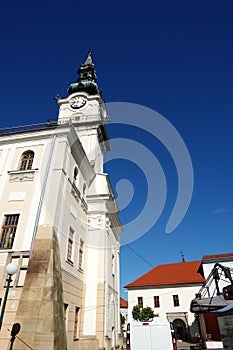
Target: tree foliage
{"type": "Point", "coordinates": [136, 313]}
{"type": "Point", "coordinates": [144, 314]}
{"type": "Point", "coordinates": [122, 319]}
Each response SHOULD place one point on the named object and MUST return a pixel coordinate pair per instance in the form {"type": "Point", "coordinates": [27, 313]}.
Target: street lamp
{"type": "Point", "coordinates": [11, 269]}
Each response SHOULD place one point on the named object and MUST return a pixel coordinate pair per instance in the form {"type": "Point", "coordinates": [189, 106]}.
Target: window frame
{"type": "Point", "coordinates": [75, 175]}
{"type": "Point", "coordinates": [84, 189]}
{"type": "Point", "coordinates": [66, 313]}
{"type": "Point", "coordinates": [176, 301]}
{"type": "Point", "coordinates": [156, 301]}
{"type": "Point", "coordinates": [80, 254]}
{"type": "Point", "coordinates": [70, 246]}
{"type": "Point", "coordinates": [140, 302]}
{"type": "Point", "coordinates": [113, 264]}
{"type": "Point", "coordinates": [25, 162]}
{"type": "Point", "coordinates": [8, 231]}
{"type": "Point", "coordinates": [76, 323]}
{"type": "Point", "coordinates": [21, 267]}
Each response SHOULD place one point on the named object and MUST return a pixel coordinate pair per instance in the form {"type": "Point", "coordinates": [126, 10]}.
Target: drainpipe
{"type": "Point", "coordinates": [106, 285]}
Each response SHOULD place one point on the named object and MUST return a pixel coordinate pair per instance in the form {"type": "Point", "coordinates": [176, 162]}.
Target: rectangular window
{"type": "Point", "coordinates": [22, 276]}
{"type": "Point", "coordinates": [70, 245]}
{"type": "Point", "coordinates": [113, 264]}
{"type": "Point", "coordinates": [76, 322]}
{"type": "Point", "coordinates": [21, 260]}
{"type": "Point", "coordinates": [80, 258]}
{"type": "Point", "coordinates": [156, 301]}
{"type": "Point", "coordinates": [176, 300]}
{"type": "Point", "coordinates": [140, 302]}
{"type": "Point", "coordinates": [8, 231]}
{"type": "Point", "coordinates": [66, 314]}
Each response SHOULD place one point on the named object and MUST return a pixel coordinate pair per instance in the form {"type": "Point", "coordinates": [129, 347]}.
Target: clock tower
{"type": "Point", "coordinates": [84, 108]}
{"type": "Point", "coordinates": [60, 225]}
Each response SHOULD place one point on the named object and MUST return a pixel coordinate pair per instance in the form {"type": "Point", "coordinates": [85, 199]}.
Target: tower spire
{"type": "Point", "coordinates": [87, 78]}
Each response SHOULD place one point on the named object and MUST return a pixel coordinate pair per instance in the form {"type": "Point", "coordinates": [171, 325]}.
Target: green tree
{"type": "Point", "coordinates": [144, 314]}
{"type": "Point", "coordinates": [147, 314]}
{"type": "Point", "coordinates": [136, 313]}
{"type": "Point", "coordinates": [122, 319]}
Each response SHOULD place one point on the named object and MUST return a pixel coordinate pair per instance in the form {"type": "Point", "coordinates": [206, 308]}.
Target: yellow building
{"type": "Point", "coordinates": [59, 223]}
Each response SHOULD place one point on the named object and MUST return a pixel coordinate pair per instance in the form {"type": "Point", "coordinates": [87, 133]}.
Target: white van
{"type": "Point", "coordinates": [150, 336]}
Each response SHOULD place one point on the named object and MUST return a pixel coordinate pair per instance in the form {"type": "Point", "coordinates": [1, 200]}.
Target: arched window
{"type": "Point", "coordinates": [75, 176]}
{"type": "Point", "coordinates": [84, 189]}
{"type": "Point", "coordinates": [26, 160]}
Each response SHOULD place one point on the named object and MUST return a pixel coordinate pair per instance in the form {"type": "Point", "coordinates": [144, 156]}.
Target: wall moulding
{"type": "Point", "coordinates": [22, 175]}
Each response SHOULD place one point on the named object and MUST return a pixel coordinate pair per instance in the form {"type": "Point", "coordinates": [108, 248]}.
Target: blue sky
{"type": "Point", "coordinates": [174, 57]}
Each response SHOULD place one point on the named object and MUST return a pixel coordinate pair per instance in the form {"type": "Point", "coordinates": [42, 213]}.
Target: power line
{"type": "Point", "coordinates": [139, 255]}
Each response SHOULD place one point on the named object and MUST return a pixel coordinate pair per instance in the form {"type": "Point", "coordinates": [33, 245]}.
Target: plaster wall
{"type": "Point", "coordinates": [20, 191]}
{"type": "Point", "coordinates": [185, 292]}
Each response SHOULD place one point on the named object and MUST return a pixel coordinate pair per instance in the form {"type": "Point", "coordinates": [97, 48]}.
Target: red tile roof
{"type": "Point", "coordinates": [217, 256]}
{"type": "Point", "coordinates": [123, 303]}
{"type": "Point", "coordinates": [170, 274]}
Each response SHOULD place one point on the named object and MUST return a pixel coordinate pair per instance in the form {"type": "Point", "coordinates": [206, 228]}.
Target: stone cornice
{"type": "Point", "coordinates": [34, 134]}
{"type": "Point", "coordinates": [22, 175]}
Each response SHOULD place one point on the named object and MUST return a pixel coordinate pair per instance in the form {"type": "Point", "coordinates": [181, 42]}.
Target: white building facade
{"type": "Point", "coordinates": [168, 290]}
{"type": "Point", "coordinates": [51, 177]}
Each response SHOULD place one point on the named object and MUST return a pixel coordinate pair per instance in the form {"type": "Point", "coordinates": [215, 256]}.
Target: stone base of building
{"type": "Point", "coordinates": [40, 311]}
{"type": "Point", "coordinates": [88, 343]}
{"type": "Point", "coordinates": [109, 345]}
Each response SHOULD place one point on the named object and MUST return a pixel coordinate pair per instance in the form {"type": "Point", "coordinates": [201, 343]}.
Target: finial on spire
{"type": "Point", "coordinates": [89, 58]}
{"type": "Point", "coordinates": [182, 256]}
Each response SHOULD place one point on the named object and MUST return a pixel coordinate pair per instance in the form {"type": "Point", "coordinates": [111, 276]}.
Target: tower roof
{"type": "Point", "coordinates": [87, 78]}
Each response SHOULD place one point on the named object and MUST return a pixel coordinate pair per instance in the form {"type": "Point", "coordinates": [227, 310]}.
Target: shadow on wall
{"type": "Point", "coordinates": [194, 329]}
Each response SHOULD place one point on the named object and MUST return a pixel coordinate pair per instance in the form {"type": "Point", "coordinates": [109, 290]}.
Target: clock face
{"type": "Point", "coordinates": [78, 102]}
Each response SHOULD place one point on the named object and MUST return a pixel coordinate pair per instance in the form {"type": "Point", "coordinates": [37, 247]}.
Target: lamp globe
{"type": "Point", "coordinates": [11, 268]}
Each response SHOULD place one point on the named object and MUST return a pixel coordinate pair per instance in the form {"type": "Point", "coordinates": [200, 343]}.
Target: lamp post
{"type": "Point", "coordinates": [11, 269]}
